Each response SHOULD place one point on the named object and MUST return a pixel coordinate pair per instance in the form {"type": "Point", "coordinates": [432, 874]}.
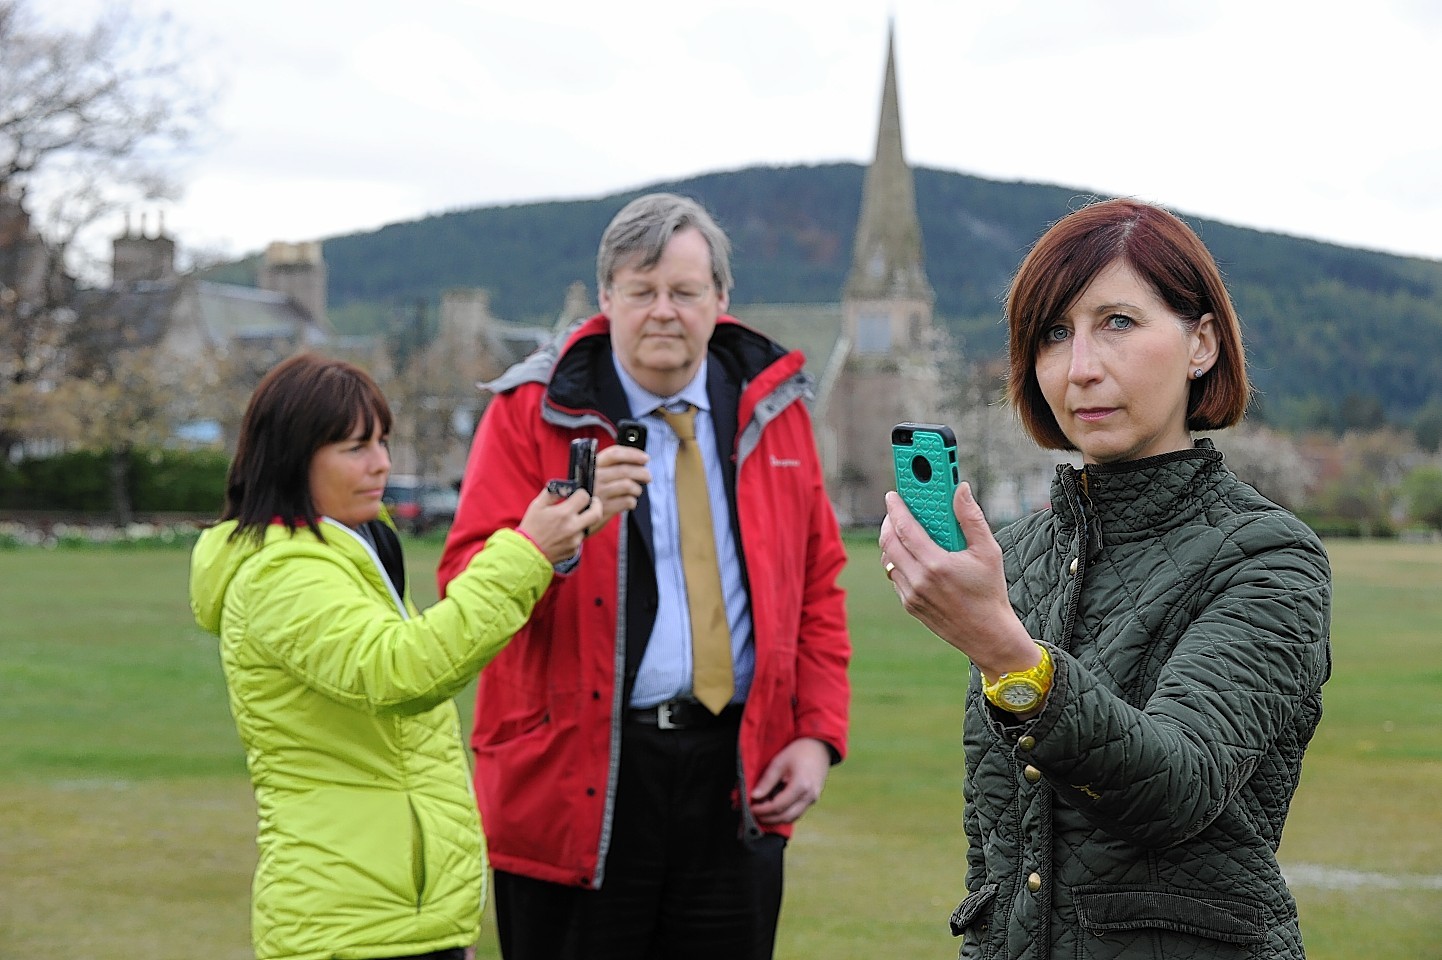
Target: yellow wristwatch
{"type": "Point", "coordinates": [1022, 691]}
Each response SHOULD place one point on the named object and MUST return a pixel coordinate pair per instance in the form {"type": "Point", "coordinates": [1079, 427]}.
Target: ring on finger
{"type": "Point", "coordinates": [888, 568]}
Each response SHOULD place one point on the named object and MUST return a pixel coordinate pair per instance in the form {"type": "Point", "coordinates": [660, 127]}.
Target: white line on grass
{"type": "Point", "coordinates": [1337, 878]}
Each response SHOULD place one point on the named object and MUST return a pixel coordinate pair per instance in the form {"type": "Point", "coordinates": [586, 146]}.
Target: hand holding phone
{"type": "Point", "coordinates": [927, 477]}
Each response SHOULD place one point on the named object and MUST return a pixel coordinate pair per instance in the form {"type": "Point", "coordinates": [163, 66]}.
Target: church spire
{"type": "Point", "coordinates": [887, 261]}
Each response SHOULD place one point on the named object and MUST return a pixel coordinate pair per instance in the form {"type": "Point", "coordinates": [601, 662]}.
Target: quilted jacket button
{"type": "Point", "coordinates": [1072, 569]}
{"type": "Point", "coordinates": [1033, 882]}
{"type": "Point", "coordinates": [1031, 773]}
{"type": "Point", "coordinates": [1027, 742]}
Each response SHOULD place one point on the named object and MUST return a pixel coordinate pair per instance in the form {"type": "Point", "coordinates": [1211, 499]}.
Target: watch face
{"type": "Point", "coordinates": [1018, 696]}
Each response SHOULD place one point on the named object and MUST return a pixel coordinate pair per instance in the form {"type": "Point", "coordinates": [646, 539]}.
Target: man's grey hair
{"type": "Point", "coordinates": [638, 235]}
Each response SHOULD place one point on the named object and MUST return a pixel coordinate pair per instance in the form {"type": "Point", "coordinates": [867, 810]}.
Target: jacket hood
{"type": "Point", "coordinates": [213, 565]}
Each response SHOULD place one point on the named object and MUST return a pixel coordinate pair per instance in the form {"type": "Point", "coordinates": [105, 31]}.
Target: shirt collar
{"type": "Point", "coordinates": [643, 402]}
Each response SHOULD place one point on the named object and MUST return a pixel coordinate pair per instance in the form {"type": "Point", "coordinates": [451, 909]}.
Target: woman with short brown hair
{"type": "Point", "coordinates": [1147, 653]}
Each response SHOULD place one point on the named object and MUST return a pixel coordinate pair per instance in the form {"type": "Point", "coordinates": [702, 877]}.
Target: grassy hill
{"type": "Point", "coordinates": [1337, 336]}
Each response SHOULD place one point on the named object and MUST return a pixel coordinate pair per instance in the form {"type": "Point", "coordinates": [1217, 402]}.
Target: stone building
{"type": "Point", "coordinates": [891, 371]}
{"type": "Point", "coordinates": [202, 321]}
{"type": "Point", "coordinates": [222, 336]}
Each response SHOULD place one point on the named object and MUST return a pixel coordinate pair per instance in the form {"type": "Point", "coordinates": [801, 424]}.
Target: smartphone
{"type": "Point", "coordinates": [582, 469]}
{"type": "Point", "coordinates": [927, 477]}
{"type": "Point", "coordinates": [631, 433]}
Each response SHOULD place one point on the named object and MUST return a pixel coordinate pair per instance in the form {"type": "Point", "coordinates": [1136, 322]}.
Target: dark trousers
{"type": "Point", "coordinates": [679, 881]}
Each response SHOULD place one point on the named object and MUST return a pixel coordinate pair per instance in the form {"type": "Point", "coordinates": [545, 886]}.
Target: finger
{"type": "Point", "coordinates": [899, 520]}
{"type": "Point", "coordinates": [767, 785]}
{"type": "Point", "coordinates": [898, 513]}
{"type": "Point", "coordinates": [618, 454]}
{"type": "Point", "coordinates": [785, 807]}
{"type": "Point", "coordinates": [970, 517]}
{"type": "Point", "coordinates": [594, 513]}
{"type": "Point", "coordinates": [772, 806]}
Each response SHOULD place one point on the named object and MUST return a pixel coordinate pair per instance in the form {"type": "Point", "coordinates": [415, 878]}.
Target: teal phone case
{"type": "Point", "coordinates": [927, 476]}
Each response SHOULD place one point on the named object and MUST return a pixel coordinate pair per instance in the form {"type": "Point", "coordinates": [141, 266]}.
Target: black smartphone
{"type": "Point", "coordinates": [582, 469]}
{"type": "Point", "coordinates": [927, 477]}
{"type": "Point", "coordinates": [631, 433]}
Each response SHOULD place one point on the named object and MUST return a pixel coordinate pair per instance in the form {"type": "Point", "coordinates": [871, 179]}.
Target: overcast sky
{"type": "Point", "coordinates": [1317, 119]}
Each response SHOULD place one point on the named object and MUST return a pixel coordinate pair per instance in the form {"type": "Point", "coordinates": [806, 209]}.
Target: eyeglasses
{"type": "Point", "coordinates": [683, 296]}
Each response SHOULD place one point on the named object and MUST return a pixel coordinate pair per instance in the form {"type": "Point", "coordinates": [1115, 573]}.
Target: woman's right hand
{"type": "Point", "coordinates": [960, 596]}
{"type": "Point", "coordinates": [558, 526]}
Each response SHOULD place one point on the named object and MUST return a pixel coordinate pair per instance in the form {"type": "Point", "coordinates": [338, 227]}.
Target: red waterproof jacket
{"type": "Point", "coordinates": [548, 711]}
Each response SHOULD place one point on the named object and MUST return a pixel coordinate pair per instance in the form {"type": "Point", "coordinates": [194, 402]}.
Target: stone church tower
{"type": "Point", "coordinates": [890, 373]}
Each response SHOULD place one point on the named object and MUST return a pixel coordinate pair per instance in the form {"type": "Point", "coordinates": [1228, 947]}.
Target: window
{"type": "Point", "coordinates": [873, 333]}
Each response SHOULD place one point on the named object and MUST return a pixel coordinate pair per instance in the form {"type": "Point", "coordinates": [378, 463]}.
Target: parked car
{"type": "Point", "coordinates": [418, 506]}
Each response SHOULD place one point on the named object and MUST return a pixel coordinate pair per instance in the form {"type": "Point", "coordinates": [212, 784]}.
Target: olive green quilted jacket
{"type": "Point", "coordinates": [1139, 814]}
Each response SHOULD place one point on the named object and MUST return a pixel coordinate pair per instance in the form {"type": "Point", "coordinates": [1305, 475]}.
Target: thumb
{"type": "Point", "coordinates": [768, 782]}
{"type": "Point", "coordinates": [969, 516]}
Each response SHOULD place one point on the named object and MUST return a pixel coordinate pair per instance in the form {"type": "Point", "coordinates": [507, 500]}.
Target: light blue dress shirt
{"type": "Point", "coordinates": [665, 670]}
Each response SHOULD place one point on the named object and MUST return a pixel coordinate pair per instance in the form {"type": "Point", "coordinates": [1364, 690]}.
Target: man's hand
{"type": "Point", "coordinates": [792, 782]}
{"type": "Point", "coordinates": [621, 475]}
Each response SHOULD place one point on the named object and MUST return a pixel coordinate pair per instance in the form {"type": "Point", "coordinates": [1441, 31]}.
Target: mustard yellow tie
{"type": "Point", "coordinates": [711, 679]}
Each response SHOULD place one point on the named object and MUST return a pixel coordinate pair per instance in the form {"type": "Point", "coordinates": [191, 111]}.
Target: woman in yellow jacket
{"type": "Point", "coordinates": [369, 841]}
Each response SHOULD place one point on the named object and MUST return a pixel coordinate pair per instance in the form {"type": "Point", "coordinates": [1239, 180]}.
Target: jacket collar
{"type": "Point", "coordinates": [1139, 496]}
{"type": "Point", "coordinates": [582, 388]}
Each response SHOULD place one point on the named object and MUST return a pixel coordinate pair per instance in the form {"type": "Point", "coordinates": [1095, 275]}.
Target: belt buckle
{"type": "Point", "coordinates": [663, 717]}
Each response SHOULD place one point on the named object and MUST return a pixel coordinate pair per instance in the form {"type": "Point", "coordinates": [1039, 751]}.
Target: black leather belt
{"type": "Point", "coordinates": [683, 713]}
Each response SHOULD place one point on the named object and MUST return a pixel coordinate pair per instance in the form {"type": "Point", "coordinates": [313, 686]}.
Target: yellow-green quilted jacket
{"type": "Point", "coordinates": [369, 840]}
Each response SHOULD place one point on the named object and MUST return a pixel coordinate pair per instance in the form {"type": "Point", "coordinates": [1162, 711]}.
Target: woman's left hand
{"type": "Point", "coordinates": [558, 526]}
{"type": "Point", "coordinates": [960, 596]}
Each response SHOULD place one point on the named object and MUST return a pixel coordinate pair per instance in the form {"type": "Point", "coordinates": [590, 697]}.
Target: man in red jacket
{"type": "Point", "coordinates": [625, 817]}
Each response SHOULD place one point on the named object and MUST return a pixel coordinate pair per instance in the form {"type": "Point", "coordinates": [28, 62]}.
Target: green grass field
{"type": "Point", "coordinates": [126, 822]}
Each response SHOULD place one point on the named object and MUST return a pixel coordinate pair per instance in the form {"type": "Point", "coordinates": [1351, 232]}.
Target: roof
{"type": "Point", "coordinates": [141, 314]}
{"type": "Point", "coordinates": [137, 315]}
{"type": "Point", "coordinates": [512, 342]}
{"type": "Point", "coordinates": [231, 312]}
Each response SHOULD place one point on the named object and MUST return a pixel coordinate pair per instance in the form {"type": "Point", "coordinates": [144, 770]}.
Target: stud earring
{"type": "Point", "coordinates": [1197, 373]}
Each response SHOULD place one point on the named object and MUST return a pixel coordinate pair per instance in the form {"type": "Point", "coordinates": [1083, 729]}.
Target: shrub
{"type": "Point", "coordinates": [161, 481]}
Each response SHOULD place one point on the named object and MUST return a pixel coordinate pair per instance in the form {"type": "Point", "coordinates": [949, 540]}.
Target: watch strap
{"type": "Point", "coordinates": [1038, 678]}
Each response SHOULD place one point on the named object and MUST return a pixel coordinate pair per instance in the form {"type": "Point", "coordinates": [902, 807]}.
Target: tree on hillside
{"type": "Point", "coordinates": [1422, 491]}
{"type": "Point", "coordinates": [1427, 426]}
{"type": "Point", "coordinates": [1367, 489]}
{"type": "Point", "coordinates": [1269, 461]}
{"type": "Point", "coordinates": [88, 120]}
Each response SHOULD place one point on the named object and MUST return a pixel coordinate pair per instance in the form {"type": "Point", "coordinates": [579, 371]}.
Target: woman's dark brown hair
{"type": "Point", "coordinates": [1166, 254]}
{"type": "Point", "coordinates": [300, 406]}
